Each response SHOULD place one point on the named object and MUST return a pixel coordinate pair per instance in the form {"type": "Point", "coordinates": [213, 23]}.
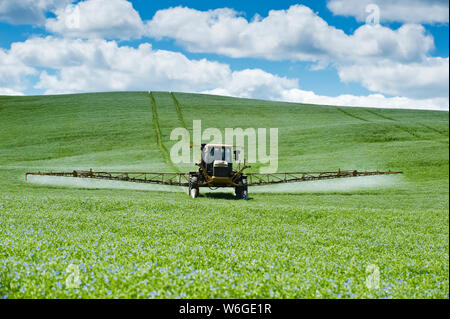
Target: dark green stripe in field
{"type": "Point", "coordinates": [411, 132]}
{"type": "Point", "coordinates": [435, 130]}
{"type": "Point", "coordinates": [180, 115]}
{"type": "Point", "coordinates": [159, 139]}
{"type": "Point", "coordinates": [398, 124]}
{"type": "Point", "coordinates": [406, 129]}
{"type": "Point", "coordinates": [178, 109]}
{"type": "Point", "coordinates": [351, 115]}
{"type": "Point", "coordinates": [380, 115]}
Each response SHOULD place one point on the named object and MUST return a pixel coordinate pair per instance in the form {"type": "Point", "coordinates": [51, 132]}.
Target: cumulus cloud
{"type": "Point", "coordinates": [394, 62]}
{"type": "Point", "coordinates": [429, 78]}
{"type": "Point", "coordinates": [9, 91]}
{"type": "Point", "coordinates": [372, 100]}
{"type": "Point", "coordinates": [13, 73]}
{"type": "Point", "coordinates": [297, 33]}
{"type": "Point", "coordinates": [254, 83]}
{"type": "Point", "coordinates": [28, 11]}
{"type": "Point", "coordinates": [406, 11]}
{"type": "Point", "coordinates": [262, 85]}
{"type": "Point", "coordinates": [378, 57]}
{"type": "Point", "coordinates": [66, 65]}
{"type": "Point", "coordinates": [111, 19]}
{"type": "Point", "coordinates": [77, 65]}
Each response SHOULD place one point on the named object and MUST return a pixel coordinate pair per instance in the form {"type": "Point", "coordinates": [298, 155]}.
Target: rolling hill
{"type": "Point", "coordinates": [289, 241]}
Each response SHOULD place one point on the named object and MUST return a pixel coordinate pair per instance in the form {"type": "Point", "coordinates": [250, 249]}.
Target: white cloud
{"type": "Point", "coordinates": [254, 83]}
{"type": "Point", "coordinates": [406, 11]}
{"type": "Point", "coordinates": [93, 65]}
{"type": "Point", "coordinates": [297, 33]}
{"type": "Point", "coordinates": [371, 43]}
{"type": "Point", "coordinates": [69, 65]}
{"type": "Point", "coordinates": [112, 19]}
{"type": "Point", "coordinates": [381, 59]}
{"type": "Point", "coordinates": [372, 100]}
{"type": "Point", "coordinates": [262, 85]}
{"type": "Point", "coordinates": [8, 91]}
{"type": "Point", "coordinates": [13, 72]}
{"type": "Point", "coordinates": [28, 11]}
{"type": "Point", "coordinates": [429, 78]}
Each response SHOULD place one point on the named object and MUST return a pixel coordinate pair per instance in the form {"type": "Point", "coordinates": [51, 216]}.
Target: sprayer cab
{"type": "Point", "coordinates": [216, 170]}
{"type": "Point", "coordinates": [217, 159]}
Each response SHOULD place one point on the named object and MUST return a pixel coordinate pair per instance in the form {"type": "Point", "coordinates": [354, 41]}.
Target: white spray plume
{"type": "Point", "coordinates": [335, 185]}
{"type": "Point", "coordinates": [99, 184]}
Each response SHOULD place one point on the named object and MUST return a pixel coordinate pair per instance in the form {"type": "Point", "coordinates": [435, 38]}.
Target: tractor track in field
{"type": "Point", "coordinates": [434, 130]}
{"type": "Point", "coordinates": [381, 115]}
{"type": "Point", "coordinates": [180, 113]}
{"type": "Point", "coordinates": [394, 120]}
{"type": "Point", "coordinates": [178, 109]}
{"type": "Point", "coordinates": [159, 141]}
{"type": "Point", "coordinates": [396, 125]}
{"type": "Point", "coordinates": [404, 129]}
{"type": "Point", "coordinates": [351, 115]}
{"type": "Point", "coordinates": [410, 132]}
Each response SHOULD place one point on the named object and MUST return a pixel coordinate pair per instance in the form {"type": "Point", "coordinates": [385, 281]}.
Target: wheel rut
{"type": "Point", "coordinates": [351, 115]}
{"type": "Point", "coordinates": [159, 141]}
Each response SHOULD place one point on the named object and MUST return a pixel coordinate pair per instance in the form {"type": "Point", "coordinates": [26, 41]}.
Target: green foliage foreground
{"type": "Point", "coordinates": [386, 241]}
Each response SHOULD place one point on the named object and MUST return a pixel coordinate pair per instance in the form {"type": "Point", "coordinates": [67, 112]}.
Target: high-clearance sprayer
{"type": "Point", "coordinates": [215, 171]}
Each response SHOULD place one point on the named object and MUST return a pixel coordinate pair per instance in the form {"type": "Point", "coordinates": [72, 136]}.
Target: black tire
{"type": "Point", "coordinates": [194, 192]}
{"type": "Point", "coordinates": [245, 189]}
{"type": "Point", "coordinates": [239, 190]}
{"type": "Point", "coordinates": [193, 187]}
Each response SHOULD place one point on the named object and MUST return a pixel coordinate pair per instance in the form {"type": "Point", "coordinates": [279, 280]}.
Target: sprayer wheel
{"type": "Point", "coordinates": [194, 192]}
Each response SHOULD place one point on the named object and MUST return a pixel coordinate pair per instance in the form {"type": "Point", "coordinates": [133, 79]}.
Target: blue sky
{"type": "Point", "coordinates": [320, 52]}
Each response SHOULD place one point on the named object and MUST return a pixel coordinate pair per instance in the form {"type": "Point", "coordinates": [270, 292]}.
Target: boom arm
{"type": "Point", "coordinates": [277, 178]}
{"type": "Point", "coordinates": [176, 179]}
{"type": "Point", "coordinates": [182, 179]}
